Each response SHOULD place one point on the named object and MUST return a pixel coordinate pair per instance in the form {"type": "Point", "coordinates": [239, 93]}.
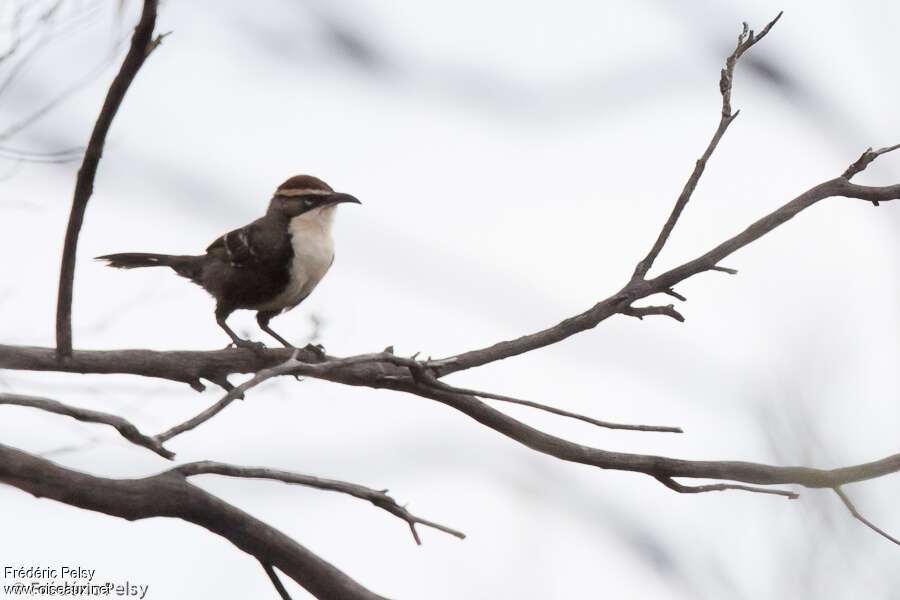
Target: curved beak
{"type": "Point", "coordinates": [337, 198]}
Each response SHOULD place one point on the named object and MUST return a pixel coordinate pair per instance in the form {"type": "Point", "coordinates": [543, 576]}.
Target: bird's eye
{"type": "Point", "coordinates": [308, 202]}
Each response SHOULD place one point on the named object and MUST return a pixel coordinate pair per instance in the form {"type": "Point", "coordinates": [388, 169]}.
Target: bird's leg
{"type": "Point", "coordinates": [238, 341]}
{"type": "Point", "coordinates": [263, 318]}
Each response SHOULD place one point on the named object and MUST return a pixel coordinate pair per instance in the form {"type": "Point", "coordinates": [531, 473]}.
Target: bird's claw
{"type": "Point", "coordinates": [318, 350]}
{"type": "Point", "coordinates": [255, 347]}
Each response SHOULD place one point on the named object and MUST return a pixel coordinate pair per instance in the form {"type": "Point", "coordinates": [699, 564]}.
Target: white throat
{"type": "Point", "coordinates": [316, 219]}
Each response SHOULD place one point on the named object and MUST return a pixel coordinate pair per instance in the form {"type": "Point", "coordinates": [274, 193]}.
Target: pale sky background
{"type": "Point", "coordinates": [514, 160]}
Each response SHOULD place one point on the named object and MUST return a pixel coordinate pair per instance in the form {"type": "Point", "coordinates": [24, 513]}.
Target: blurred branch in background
{"type": "Point", "coordinates": [31, 29]}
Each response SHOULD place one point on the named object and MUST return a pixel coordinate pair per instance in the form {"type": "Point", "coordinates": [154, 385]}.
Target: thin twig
{"type": "Point", "coordinates": [422, 373]}
{"type": "Point", "coordinates": [721, 487]}
{"type": "Point", "coordinates": [867, 157]}
{"type": "Point", "coordinates": [429, 380]}
{"type": "Point", "coordinates": [294, 367]}
{"type": "Point", "coordinates": [674, 294]}
{"type": "Point", "coordinates": [723, 270]}
{"type": "Point", "coordinates": [84, 184]}
{"type": "Point", "coordinates": [642, 311]}
{"type": "Point", "coordinates": [51, 27]}
{"type": "Point", "coordinates": [379, 498]}
{"type": "Point", "coordinates": [70, 90]}
{"type": "Point", "coordinates": [273, 577]}
{"type": "Point", "coordinates": [20, 38]}
{"type": "Point", "coordinates": [232, 394]}
{"type": "Point", "coordinates": [837, 490]}
{"type": "Point", "coordinates": [124, 427]}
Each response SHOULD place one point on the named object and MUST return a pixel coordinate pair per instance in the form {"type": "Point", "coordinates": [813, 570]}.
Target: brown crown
{"type": "Point", "coordinates": [304, 182]}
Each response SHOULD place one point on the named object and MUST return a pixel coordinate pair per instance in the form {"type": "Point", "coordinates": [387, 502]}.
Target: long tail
{"type": "Point", "coordinates": [185, 265]}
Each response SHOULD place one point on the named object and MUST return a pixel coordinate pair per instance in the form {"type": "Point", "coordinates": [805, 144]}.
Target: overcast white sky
{"type": "Point", "coordinates": [514, 160]}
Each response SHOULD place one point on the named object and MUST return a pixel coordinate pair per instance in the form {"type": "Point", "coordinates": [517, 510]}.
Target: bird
{"type": "Point", "coordinates": [270, 265]}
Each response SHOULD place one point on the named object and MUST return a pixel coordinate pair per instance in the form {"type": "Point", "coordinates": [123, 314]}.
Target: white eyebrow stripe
{"type": "Point", "coordinates": [303, 192]}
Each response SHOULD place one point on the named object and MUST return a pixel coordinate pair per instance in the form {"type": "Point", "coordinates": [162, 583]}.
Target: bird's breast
{"type": "Point", "coordinates": [313, 249]}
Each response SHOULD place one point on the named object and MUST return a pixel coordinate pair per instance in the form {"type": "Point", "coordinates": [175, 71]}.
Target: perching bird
{"type": "Point", "coordinates": [268, 266]}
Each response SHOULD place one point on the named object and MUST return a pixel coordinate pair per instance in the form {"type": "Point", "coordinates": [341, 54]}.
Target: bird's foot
{"type": "Point", "coordinates": [318, 350]}
{"type": "Point", "coordinates": [255, 347]}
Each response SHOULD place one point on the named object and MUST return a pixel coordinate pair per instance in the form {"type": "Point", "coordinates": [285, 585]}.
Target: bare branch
{"type": "Point", "coordinates": [674, 294]}
{"type": "Point", "coordinates": [184, 367]}
{"type": "Point", "coordinates": [642, 311]}
{"type": "Point", "coordinates": [421, 372]}
{"type": "Point", "coordinates": [377, 497]}
{"type": "Point", "coordinates": [428, 379]}
{"type": "Point", "coordinates": [655, 466]}
{"type": "Point", "coordinates": [745, 41]}
{"type": "Point", "coordinates": [364, 371]}
{"type": "Point", "coordinates": [863, 161]}
{"type": "Point", "coordinates": [169, 494]}
{"type": "Point", "coordinates": [834, 187]}
{"type": "Point", "coordinates": [154, 44]}
{"type": "Point", "coordinates": [720, 487]}
{"type": "Point", "coordinates": [84, 184]}
{"type": "Point", "coordinates": [855, 513]}
{"type": "Point", "coordinates": [232, 394]}
{"type": "Point", "coordinates": [637, 289]}
{"type": "Point", "coordinates": [125, 428]}
{"type": "Point", "coordinates": [723, 269]}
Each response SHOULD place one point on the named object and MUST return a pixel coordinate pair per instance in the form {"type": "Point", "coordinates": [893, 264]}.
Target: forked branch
{"type": "Point", "coordinates": [169, 494]}
{"type": "Point", "coordinates": [124, 427]}
{"type": "Point", "coordinates": [379, 498]}
{"type": "Point", "coordinates": [745, 41]}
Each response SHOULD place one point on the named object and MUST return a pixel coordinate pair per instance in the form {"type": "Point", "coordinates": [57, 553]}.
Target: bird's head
{"type": "Point", "coordinates": [303, 194]}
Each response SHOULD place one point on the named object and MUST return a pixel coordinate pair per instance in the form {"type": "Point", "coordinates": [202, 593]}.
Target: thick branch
{"type": "Point", "coordinates": [84, 184]}
{"type": "Point", "coordinates": [184, 367]}
{"type": "Point", "coordinates": [180, 366]}
{"type": "Point", "coordinates": [169, 494]}
{"type": "Point", "coordinates": [128, 431]}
